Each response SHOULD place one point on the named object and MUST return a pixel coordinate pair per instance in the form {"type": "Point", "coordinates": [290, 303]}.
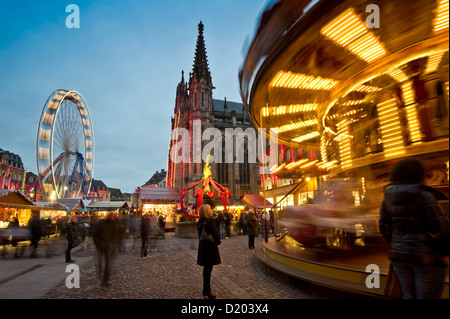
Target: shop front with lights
{"type": "Point", "coordinates": [161, 201]}
{"type": "Point", "coordinates": [348, 96]}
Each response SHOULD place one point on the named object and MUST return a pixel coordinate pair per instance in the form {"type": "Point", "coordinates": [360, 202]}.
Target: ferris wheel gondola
{"type": "Point", "coordinates": [65, 146]}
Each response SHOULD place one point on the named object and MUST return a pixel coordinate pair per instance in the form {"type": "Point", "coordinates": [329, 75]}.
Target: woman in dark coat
{"type": "Point", "coordinates": [251, 225]}
{"type": "Point", "coordinates": [410, 220]}
{"type": "Point", "coordinates": [208, 252]}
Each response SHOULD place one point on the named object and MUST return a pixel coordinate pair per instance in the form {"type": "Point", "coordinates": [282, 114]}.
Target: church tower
{"type": "Point", "coordinates": [201, 104]}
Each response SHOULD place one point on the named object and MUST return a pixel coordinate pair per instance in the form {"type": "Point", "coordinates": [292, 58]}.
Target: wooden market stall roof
{"type": "Point", "coordinates": [15, 199]}
{"type": "Point", "coordinates": [72, 203]}
{"type": "Point", "coordinates": [52, 206]}
{"type": "Point", "coordinates": [160, 195]}
{"type": "Point", "coordinates": [256, 200]}
{"type": "Point", "coordinates": [107, 206]}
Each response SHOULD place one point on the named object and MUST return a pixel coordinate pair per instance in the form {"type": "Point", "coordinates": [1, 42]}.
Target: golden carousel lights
{"type": "Point", "coordinates": [350, 32]}
{"type": "Point", "coordinates": [441, 20]}
{"type": "Point", "coordinates": [411, 113]}
{"type": "Point", "coordinates": [433, 62]}
{"type": "Point", "coordinates": [288, 109]}
{"type": "Point", "coordinates": [301, 81]}
{"type": "Point", "coordinates": [306, 137]}
{"type": "Point", "coordinates": [294, 126]}
{"type": "Point", "coordinates": [390, 128]}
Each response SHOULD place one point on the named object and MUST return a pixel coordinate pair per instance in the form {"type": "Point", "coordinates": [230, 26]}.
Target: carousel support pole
{"type": "Point", "coordinates": [266, 235]}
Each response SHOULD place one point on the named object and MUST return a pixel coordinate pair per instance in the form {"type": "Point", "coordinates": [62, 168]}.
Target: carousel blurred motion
{"type": "Point", "coordinates": [350, 87]}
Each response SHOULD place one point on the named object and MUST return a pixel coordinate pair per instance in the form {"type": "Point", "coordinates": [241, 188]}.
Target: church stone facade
{"type": "Point", "coordinates": [195, 111]}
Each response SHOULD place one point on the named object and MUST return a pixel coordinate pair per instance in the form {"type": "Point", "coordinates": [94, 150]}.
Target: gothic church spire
{"type": "Point", "coordinates": [201, 67]}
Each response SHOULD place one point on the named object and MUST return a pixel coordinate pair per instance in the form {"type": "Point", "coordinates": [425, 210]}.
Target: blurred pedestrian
{"type": "Point", "coordinates": [36, 227]}
{"type": "Point", "coordinates": [251, 225]}
{"type": "Point", "coordinates": [221, 224]}
{"type": "Point", "coordinates": [227, 220]}
{"type": "Point", "coordinates": [208, 252]}
{"type": "Point", "coordinates": [411, 221]}
{"type": "Point", "coordinates": [13, 226]}
{"type": "Point", "coordinates": [71, 236]}
{"type": "Point", "coordinates": [122, 225]}
{"type": "Point", "coordinates": [145, 234]}
{"type": "Point", "coordinates": [242, 220]}
{"type": "Point", "coordinates": [105, 235]}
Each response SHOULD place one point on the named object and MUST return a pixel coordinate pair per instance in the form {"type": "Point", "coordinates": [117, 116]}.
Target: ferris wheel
{"type": "Point", "coordinates": [65, 146]}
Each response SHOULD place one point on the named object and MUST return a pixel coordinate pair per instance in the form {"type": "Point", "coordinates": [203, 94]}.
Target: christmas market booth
{"type": "Point", "coordinates": [51, 212]}
{"type": "Point", "coordinates": [15, 209]}
{"type": "Point", "coordinates": [101, 208]}
{"type": "Point", "coordinates": [162, 201]}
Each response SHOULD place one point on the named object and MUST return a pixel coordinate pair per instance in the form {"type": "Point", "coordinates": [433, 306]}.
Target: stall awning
{"type": "Point", "coordinates": [107, 206]}
{"type": "Point", "coordinates": [51, 206]}
{"type": "Point", "coordinates": [15, 199]}
{"type": "Point", "coordinates": [256, 200]}
{"type": "Point", "coordinates": [160, 195]}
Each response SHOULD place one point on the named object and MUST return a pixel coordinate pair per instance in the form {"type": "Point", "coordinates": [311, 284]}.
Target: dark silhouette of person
{"type": "Point", "coordinates": [411, 221]}
{"type": "Point", "coordinates": [208, 252]}
{"type": "Point", "coordinates": [105, 236]}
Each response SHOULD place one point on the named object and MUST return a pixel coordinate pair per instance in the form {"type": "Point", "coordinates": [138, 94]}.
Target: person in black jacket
{"type": "Point", "coordinates": [208, 252]}
{"type": "Point", "coordinates": [251, 225]}
{"type": "Point", "coordinates": [410, 222]}
{"type": "Point", "coordinates": [71, 234]}
{"type": "Point", "coordinates": [145, 234]}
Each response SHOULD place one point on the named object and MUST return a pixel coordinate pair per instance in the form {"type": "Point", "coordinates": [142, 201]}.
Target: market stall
{"type": "Point", "coordinates": [15, 212]}
{"type": "Point", "coordinates": [101, 209]}
{"type": "Point", "coordinates": [162, 201]}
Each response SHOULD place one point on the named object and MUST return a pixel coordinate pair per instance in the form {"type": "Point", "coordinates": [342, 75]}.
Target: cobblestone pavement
{"type": "Point", "coordinates": [172, 273]}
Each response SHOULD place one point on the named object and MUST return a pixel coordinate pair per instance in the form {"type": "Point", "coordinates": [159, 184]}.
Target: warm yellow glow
{"type": "Point", "coordinates": [288, 109]}
{"type": "Point", "coordinates": [48, 118]}
{"type": "Point", "coordinates": [441, 20]}
{"type": "Point", "coordinates": [390, 128]}
{"type": "Point", "coordinates": [323, 148]}
{"type": "Point", "coordinates": [294, 126]}
{"type": "Point", "coordinates": [411, 114]}
{"type": "Point", "coordinates": [44, 134]}
{"type": "Point", "coordinates": [327, 165]}
{"type": "Point", "coordinates": [301, 81]}
{"type": "Point", "coordinates": [397, 75]}
{"type": "Point", "coordinates": [306, 137]}
{"type": "Point", "coordinates": [365, 88]}
{"type": "Point", "coordinates": [309, 164]}
{"type": "Point", "coordinates": [433, 62]}
{"type": "Point", "coordinates": [350, 32]}
{"type": "Point", "coordinates": [44, 152]}
{"type": "Point", "coordinates": [297, 163]}
{"type": "Point", "coordinates": [280, 167]}
{"type": "Point", "coordinates": [344, 144]}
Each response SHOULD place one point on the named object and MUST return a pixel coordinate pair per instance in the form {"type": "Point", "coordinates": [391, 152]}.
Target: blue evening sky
{"type": "Point", "coordinates": [126, 60]}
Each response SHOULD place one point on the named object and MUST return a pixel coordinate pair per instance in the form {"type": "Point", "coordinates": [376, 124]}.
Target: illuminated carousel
{"type": "Point", "coordinates": [362, 85]}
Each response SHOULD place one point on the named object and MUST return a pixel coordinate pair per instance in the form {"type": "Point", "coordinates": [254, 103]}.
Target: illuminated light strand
{"type": "Point", "coordinates": [397, 75]}
{"type": "Point", "coordinates": [294, 126]}
{"type": "Point", "coordinates": [350, 32]}
{"type": "Point", "coordinates": [441, 20]}
{"type": "Point", "coordinates": [309, 164]}
{"type": "Point", "coordinates": [301, 81]}
{"type": "Point", "coordinates": [365, 88]}
{"type": "Point", "coordinates": [433, 62]}
{"type": "Point", "coordinates": [297, 163]}
{"type": "Point", "coordinates": [344, 144]}
{"type": "Point", "coordinates": [390, 122]}
{"type": "Point", "coordinates": [411, 113]}
{"type": "Point", "coordinates": [306, 137]}
{"type": "Point", "coordinates": [323, 148]}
